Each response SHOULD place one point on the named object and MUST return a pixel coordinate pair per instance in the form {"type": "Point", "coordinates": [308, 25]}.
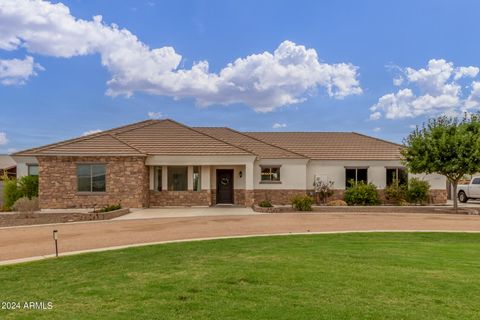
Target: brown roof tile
{"type": "Point", "coordinates": [260, 148]}
{"type": "Point", "coordinates": [332, 145]}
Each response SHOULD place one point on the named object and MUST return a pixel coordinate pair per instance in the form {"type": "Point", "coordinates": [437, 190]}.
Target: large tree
{"type": "Point", "coordinates": [449, 146]}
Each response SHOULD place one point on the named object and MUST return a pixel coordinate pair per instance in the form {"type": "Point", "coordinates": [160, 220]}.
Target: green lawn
{"type": "Point", "coordinates": [343, 276]}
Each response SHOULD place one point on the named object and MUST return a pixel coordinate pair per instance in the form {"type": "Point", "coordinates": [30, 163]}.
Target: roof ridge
{"type": "Point", "coordinates": [77, 139]}
{"type": "Point", "coordinates": [378, 139]}
{"type": "Point", "coordinates": [267, 143]}
{"type": "Point", "coordinates": [192, 129]}
{"type": "Point", "coordinates": [125, 143]}
{"type": "Point", "coordinates": [275, 132]}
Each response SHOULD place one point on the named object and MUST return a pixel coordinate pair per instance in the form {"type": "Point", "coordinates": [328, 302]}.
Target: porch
{"type": "Point", "coordinates": [200, 181]}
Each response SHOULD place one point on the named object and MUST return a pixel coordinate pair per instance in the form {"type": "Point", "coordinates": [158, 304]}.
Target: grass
{"type": "Point", "coordinates": [342, 276]}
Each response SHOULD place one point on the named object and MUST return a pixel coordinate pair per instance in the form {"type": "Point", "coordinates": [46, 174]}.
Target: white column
{"type": "Point", "coordinates": [164, 178]}
{"type": "Point", "coordinates": [205, 177]}
{"type": "Point", "coordinates": [249, 178]}
{"type": "Point", "coordinates": [190, 178]}
{"type": "Point", "coordinates": [152, 177]}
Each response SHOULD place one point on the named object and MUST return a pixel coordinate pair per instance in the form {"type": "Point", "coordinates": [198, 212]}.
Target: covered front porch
{"type": "Point", "coordinates": [200, 180]}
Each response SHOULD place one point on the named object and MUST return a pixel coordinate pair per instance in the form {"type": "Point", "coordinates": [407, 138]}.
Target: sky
{"type": "Point", "coordinates": [380, 68]}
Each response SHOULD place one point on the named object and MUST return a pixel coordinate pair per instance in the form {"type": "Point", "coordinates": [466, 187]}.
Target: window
{"type": "Point", "coordinates": [157, 179]}
{"type": "Point", "coordinates": [397, 174]}
{"type": "Point", "coordinates": [476, 181]}
{"type": "Point", "coordinates": [270, 174]}
{"type": "Point", "coordinates": [355, 175]}
{"type": "Point", "coordinates": [32, 169]}
{"type": "Point", "coordinates": [196, 179]}
{"type": "Point", "coordinates": [177, 178]}
{"type": "Point", "coordinates": [91, 178]}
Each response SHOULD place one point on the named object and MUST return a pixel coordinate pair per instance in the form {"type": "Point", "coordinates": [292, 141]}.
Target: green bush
{"type": "Point", "coordinates": [396, 192]}
{"type": "Point", "coordinates": [14, 189]}
{"type": "Point", "coordinates": [361, 193]}
{"type": "Point", "coordinates": [265, 204]}
{"type": "Point", "coordinates": [11, 193]}
{"type": "Point", "coordinates": [417, 191]}
{"type": "Point", "coordinates": [302, 203]}
{"type": "Point", "coordinates": [111, 207]}
{"type": "Point", "coordinates": [28, 186]}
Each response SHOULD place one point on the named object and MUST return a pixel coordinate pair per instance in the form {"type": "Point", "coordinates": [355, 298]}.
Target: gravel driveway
{"type": "Point", "coordinates": [34, 241]}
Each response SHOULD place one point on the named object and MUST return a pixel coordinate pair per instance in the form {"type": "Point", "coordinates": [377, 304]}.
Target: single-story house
{"type": "Point", "coordinates": [8, 166]}
{"type": "Point", "coordinates": [165, 163]}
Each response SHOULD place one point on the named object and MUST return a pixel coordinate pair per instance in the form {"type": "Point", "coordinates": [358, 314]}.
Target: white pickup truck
{"type": "Point", "coordinates": [469, 191]}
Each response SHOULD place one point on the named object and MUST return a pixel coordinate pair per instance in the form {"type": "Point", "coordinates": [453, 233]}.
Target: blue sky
{"type": "Point", "coordinates": [60, 94]}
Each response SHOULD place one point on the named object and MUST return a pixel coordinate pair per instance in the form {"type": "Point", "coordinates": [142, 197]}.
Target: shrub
{"type": "Point", "coordinates": [11, 193]}
{"type": "Point", "coordinates": [323, 190]}
{"type": "Point", "coordinates": [26, 205]}
{"type": "Point", "coordinates": [111, 208]}
{"type": "Point", "coordinates": [396, 192]}
{"type": "Point", "coordinates": [265, 204]}
{"type": "Point", "coordinates": [417, 191]}
{"type": "Point", "coordinates": [362, 193]}
{"type": "Point", "coordinates": [336, 203]}
{"type": "Point", "coordinates": [302, 203]}
{"type": "Point", "coordinates": [28, 186]}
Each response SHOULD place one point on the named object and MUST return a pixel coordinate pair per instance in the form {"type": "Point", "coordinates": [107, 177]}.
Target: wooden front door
{"type": "Point", "coordinates": [225, 186]}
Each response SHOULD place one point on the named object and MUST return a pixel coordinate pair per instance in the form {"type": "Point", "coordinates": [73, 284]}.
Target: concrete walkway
{"type": "Point", "coordinates": [36, 241]}
{"type": "Point", "coordinates": [176, 212]}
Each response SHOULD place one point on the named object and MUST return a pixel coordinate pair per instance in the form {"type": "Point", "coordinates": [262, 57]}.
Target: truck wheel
{"type": "Point", "coordinates": [462, 197]}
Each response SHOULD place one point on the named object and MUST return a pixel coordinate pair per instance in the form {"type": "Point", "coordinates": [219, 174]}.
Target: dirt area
{"type": "Point", "coordinates": [32, 241]}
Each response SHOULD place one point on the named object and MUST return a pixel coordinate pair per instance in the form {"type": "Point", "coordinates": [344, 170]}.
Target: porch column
{"type": "Point", "coordinates": [205, 177]}
{"type": "Point", "coordinates": [249, 184]}
{"type": "Point", "coordinates": [190, 178]}
{"type": "Point", "coordinates": [164, 178]}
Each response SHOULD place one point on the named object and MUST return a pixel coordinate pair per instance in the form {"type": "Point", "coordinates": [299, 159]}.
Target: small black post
{"type": "Point", "coordinates": [55, 237]}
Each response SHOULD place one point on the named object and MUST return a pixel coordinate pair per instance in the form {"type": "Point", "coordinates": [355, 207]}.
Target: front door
{"type": "Point", "coordinates": [225, 186]}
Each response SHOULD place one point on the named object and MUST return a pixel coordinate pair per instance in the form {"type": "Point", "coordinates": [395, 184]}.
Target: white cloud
{"type": "Point", "coordinates": [429, 91]}
{"type": "Point", "coordinates": [263, 81]}
{"type": "Point", "coordinates": [279, 125]}
{"type": "Point", "coordinates": [16, 71]}
{"type": "Point", "coordinates": [377, 129]}
{"type": "Point", "coordinates": [412, 126]}
{"type": "Point", "coordinates": [89, 132]}
{"type": "Point", "coordinates": [155, 115]}
{"type": "Point", "coordinates": [11, 150]}
{"type": "Point", "coordinates": [3, 139]}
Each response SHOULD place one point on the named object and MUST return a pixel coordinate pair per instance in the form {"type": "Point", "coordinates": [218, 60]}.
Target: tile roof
{"type": "Point", "coordinates": [167, 137]}
{"type": "Point", "coordinates": [332, 145]}
{"type": "Point", "coordinates": [151, 137]}
{"type": "Point", "coordinates": [260, 148]}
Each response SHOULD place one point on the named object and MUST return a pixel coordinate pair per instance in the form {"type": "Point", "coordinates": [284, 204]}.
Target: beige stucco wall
{"type": "Point", "coordinates": [293, 174]}
{"type": "Point", "coordinates": [334, 170]}
{"type": "Point", "coordinates": [22, 165]}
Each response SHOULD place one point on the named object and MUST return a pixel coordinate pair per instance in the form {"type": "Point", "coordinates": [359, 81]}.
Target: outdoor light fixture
{"type": "Point", "coordinates": [240, 174]}
{"type": "Point", "coordinates": [55, 238]}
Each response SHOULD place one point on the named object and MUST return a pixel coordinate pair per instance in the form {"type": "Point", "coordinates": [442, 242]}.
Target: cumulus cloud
{"type": "Point", "coordinates": [16, 71]}
{"type": "Point", "coordinates": [279, 125]}
{"type": "Point", "coordinates": [263, 81]}
{"type": "Point", "coordinates": [437, 89]}
{"type": "Point", "coordinates": [377, 129]}
{"type": "Point", "coordinates": [3, 139]}
{"type": "Point", "coordinates": [89, 132]}
{"type": "Point", "coordinates": [155, 115]}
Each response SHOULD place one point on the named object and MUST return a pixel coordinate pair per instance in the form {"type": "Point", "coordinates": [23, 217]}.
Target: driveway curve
{"type": "Point", "coordinates": [36, 241]}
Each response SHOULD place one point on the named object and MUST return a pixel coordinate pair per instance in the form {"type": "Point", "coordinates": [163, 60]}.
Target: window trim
{"type": "Point", "coordinates": [397, 168]}
{"type": "Point", "coordinates": [33, 165]}
{"type": "Point", "coordinates": [91, 164]}
{"type": "Point", "coordinates": [168, 178]}
{"type": "Point", "coordinates": [356, 168]}
{"type": "Point", "coordinates": [273, 166]}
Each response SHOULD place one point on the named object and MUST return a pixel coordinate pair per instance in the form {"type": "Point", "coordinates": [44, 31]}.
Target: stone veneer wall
{"type": "Point", "coordinates": [126, 182]}
{"type": "Point", "coordinates": [180, 198]}
{"type": "Point", "coordinates": [280, 197]}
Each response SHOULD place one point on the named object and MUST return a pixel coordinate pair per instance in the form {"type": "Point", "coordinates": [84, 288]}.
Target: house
{"type": "Point", "coordinates": [165, 163]}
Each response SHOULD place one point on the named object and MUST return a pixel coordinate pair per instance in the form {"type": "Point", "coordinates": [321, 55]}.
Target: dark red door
{"type": "Point", "coordinates": [225, 186]}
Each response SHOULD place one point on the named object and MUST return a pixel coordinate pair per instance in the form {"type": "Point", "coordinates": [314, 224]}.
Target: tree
{"type": "Point", "coordinates": [449, 146]}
